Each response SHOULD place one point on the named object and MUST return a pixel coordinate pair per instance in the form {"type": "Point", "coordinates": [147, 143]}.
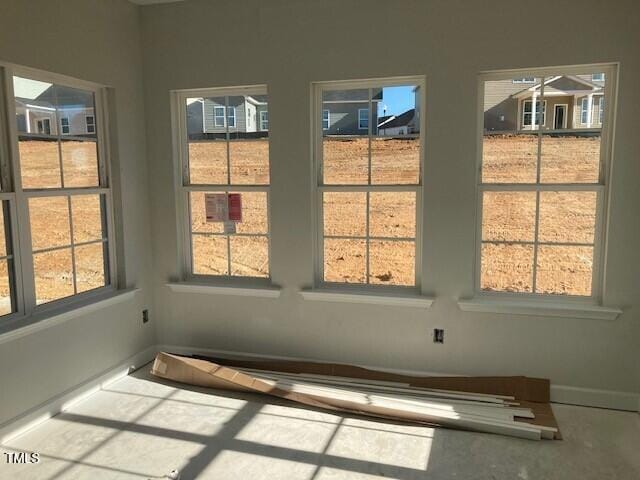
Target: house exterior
{"type": "Point", "coordinates": [210, 117]}
{"type": "Point", "coordinates": [571, 102]}
{"type": "Point", "coordinates": [346, 112]}
{"type": "Point", "coordinates": [64, 111]}
{"type": "Point", "coordinates": [398, 125]}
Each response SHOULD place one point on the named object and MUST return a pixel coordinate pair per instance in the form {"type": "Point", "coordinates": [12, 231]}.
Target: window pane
{"type": "Point", "coordinates": [80, 163]}
{"type": "Point", "coordinates": [5, 288]}
{"type": "Point", "coordinates": [509, 158]}
{"type": "Point", "coordinates": [208, 161]}
{"type": "Point", "coordinates": [86, 211]}
{"type": "Point", "coordinates": [210, 255]}
{"type": "Point", "coordinates": [507, 268]}
{"type": "Point", "coordinates": [345, 213]}
{"type": "Point", "coordinates": [198, 215]}
{"type": "Point", "coordinates": [570, 159]}
{"type": "Point", "coordinates": [392, 214]}
{"type": "Point", "coordinates": [249, 256]}
{"type": "Point", "coordinates": [344, 260]}
{"type": "Point", "coordinates": [508, 216]}
{"type": "Point", "coordinates": [207, 144]}
{"type": "Point", "coordinates": [345, 160]}
{"type": "Point", "coordinates": [78, 107]}
{"type": "Point", "coordinates": [567, 217]}
{"type": "Point", "coordinates": [53, 275]}
{"type": "Point", "coordinates": [5, 228]}
{"type": "Point", "coordinates": [46, 233]}
{"type": "Point", "coordinates": [249, 161]}
{"type": "Point", "coordinates": [564, 270]}
{"type": "Point", "coordinates": [39, 163]}
{"type": "Point", "coordinates": [254, 213]}
{"type": "Point", "coordinates": [392, 262]}
{"type": "Point", "coordinates": [90, 266]}
{"type": "Point", "coordinates": [395, 161]}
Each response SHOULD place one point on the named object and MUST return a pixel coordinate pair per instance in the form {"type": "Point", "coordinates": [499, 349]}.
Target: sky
{"type": "Point", "coordinates": [397, 100]}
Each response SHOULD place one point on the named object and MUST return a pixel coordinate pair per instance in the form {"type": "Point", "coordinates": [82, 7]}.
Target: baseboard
{"type": "Point", "coordinates": [55, 405]}
{"type": "Point", "coordinates": [586, 397]}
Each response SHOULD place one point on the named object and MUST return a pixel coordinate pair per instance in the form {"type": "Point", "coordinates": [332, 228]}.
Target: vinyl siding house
{"type": "Point", "coordinates": [49, 110]}
{"type": "Point", "coordinates": [346, 112]}
{"type": "Point", "coordinates": [571, 102]}
{"type": "Point", "coordinates": [397, 125]}
{"type": "Point", "coordinates": [244, 116]}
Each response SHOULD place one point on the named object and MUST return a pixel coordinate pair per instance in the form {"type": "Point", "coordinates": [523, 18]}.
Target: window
{"type": "Point", "coordinates": [527, 117]}
{"type": "Point", "coordinates": [524, 80]}
{"type": "Point", "coordinates": [584, 110]}
{"type": "Point", "coordinates": [541, 202]}
{"type": "Point", "coordinates": [218, 116]}
{"type": "Point", "coordinates": [91, 123]}
{"type": "Point", "coordinates": [601, 112]}
{"type": "Point", "coordinates": [597, 77]}
{"type": "Point", "coordinates": [64, 123]}
{"type": "Point", "coordinates": [368, 188]}
{"type": "Point", "coordinates": [231, 117]}
{"type": "Point", "coordinates": [264, 120]}
{"type": "Point", "coordinates": [325, 120]}
{"type": "Point", "coordinates": [225, 187]}
{"type": "Point", "coordinates": [57, 191]}
{"type": "Point", "coordinates": [363, 118]}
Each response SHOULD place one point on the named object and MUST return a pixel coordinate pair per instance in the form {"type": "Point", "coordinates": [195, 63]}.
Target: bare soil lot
{"type": "Point", "coordinates": [565, 217]}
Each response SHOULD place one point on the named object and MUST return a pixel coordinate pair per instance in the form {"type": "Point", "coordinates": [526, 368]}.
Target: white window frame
{"type": "Point", "coordinates": [24, 293]}
{"type": "Point", "coordinates": [91, 125]}
{"type": "Point", "coordinates": [598, 77]}
{"type": "Point", "coordinates": [602, 189]}
{"type": "Point", "coordinates": [543, 114]}
{"type": "Point", "coordinates": [601, 109]}
{"type": "Point", "coordinates": [366, 127]}
{"type": "Point", "coordinates": [264, 120]}
{"type": "Point", "coordinates": [584, 111]}
{"type": "Point", "coordinates": [328, 119]}
{"type": "Point", "coordinates": [223, 124]}
{"type": "Point", "coordinates": [319, 187]}
{"type": "Point", "coordinates": [63, 126]}
{"type": "Point", "coordinates": [231, 115]}
{"type": "Point", "coordinates": [183, 188]}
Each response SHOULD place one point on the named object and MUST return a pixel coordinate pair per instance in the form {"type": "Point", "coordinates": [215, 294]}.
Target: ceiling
{"type": "Point", "coordinates": [152, 2]}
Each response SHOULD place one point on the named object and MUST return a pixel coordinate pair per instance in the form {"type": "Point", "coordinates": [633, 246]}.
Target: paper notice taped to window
{"type": "Point", "coordinates": [229, 227]}
{"type": "Point", "coordinates": [216, 206]}
{"type": "Point", "coordinates": [235, 207]}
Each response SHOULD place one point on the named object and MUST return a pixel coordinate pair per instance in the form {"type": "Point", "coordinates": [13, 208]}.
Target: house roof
{"type": "Point", "coordinates": [561, 84]}
{"type": "Point", "coordinates": [398, 120]}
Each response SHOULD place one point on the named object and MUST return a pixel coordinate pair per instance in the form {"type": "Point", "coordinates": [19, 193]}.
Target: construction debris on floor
{"type": "Point", "coordinates": [512, 406]}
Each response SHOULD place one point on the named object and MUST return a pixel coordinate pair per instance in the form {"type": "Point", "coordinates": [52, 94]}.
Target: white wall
{"type": "Point", "coordinates": [289, 44]}
{"type": "Point", "coordinates": [96, 40]}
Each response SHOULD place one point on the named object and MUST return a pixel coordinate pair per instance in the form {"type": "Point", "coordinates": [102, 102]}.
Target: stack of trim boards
{"type": "Point", "coordinates": [389, 398]}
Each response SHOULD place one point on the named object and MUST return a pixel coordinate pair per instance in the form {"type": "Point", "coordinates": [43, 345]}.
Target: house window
{"type": "Point", "coordinates": [363, 118]}
{"type": "Point", "coordinates": [525, 80]}
{"type": "Point", "coordinates": [91, 123]}
{"type": "Point", "coordinates": [264, 120]}
{"type": "Point", "coordinates": [64, 124]}
{"type": "Point", "coordinates": [218, 116]}
{"type": "Point", "coordinates": [527, 116]}
{"type": "Point", "coordinates": [325, 119]}
{"type": "Point", "coordinates": [66, 246]}
{"type": "Point", "coordinates": [368, 191]}
{"type": "Point", "coordinates": [225, 192]}
{"type": "Point", "coordinates": [231, 116]}
{"type": "Point", "coordinates": [597, 77]}
{"type": "Point", "coordinates": [541, 206]}
{"type": "Point", "coordinates": [584, 111]}
{"type": "Point", "coordinates": [601, 112]}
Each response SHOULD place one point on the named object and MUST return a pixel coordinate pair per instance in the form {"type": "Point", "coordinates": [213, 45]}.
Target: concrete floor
{"type": "Point", "coordinates": [142, 428]}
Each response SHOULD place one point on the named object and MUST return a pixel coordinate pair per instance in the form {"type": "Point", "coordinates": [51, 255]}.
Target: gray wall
{"type": "Point", "coordinates": [46, 363]}
{"type": "Point", "coordinates": [291, 44]}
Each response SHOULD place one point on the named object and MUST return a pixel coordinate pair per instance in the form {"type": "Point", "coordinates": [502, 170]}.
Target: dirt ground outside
{"type": "Point", "coordinates": [509, 218]}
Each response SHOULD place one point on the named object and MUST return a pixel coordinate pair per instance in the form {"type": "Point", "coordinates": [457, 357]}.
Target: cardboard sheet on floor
{"type": "Point", "coordinates": [206, 372]}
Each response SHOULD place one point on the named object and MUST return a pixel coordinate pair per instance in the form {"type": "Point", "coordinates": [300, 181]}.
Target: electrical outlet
{"type": "Point", "coordinates": [438, 335]}
{"type": "Point", "coordinates": [145, 315]}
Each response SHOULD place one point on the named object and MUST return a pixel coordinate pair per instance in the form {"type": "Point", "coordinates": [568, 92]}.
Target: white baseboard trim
{"type": "Point", "coordinates": [586, 397]}
{"type": "Point", "coordinates": [58, 404]}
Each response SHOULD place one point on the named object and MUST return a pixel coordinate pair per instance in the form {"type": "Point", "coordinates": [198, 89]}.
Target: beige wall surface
{"type": "Point", "coordinates": [289, 44]}
{"type": "Point", "coordinates": [95, 40]}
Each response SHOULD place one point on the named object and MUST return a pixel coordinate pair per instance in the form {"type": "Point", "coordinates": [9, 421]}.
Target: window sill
{"type": "Point", "coordinates": [260, 292]}
{"type": "Point", "coordinates": [514, 307]}
{"type": "Point", "coordinates": [415, 301]}
{"type": "Point", "coordinates": [22, 326]}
